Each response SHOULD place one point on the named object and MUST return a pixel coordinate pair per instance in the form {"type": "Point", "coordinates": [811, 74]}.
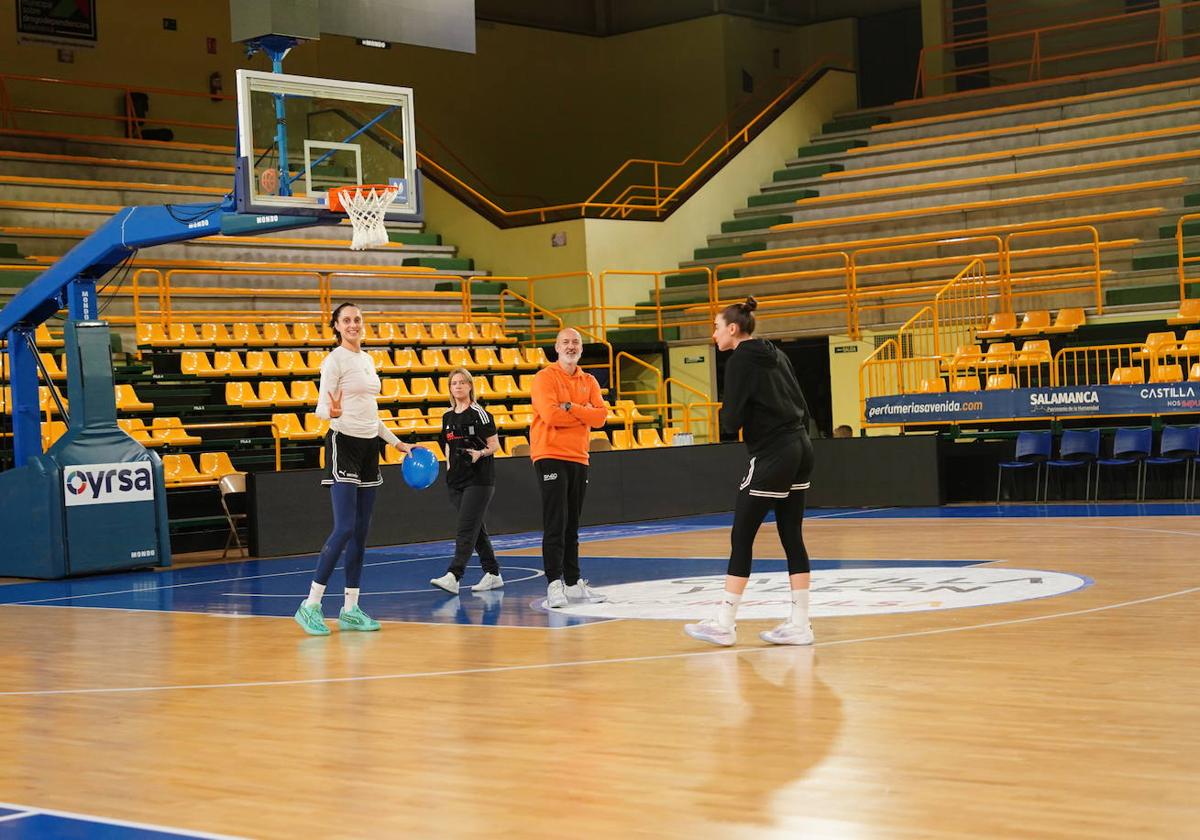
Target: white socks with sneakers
{"type": "Point", "coordinates": [800, 607]}
{"type": "Point", "coordinates": [727, 611]}
{"type": "Point", "coordinates": [351, 599]}
{"type": "Point", "coordinates": [314, 594]}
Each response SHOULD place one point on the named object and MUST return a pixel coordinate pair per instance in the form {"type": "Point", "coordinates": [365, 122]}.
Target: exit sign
{"type": "Point", "coordinates": [846, 348]}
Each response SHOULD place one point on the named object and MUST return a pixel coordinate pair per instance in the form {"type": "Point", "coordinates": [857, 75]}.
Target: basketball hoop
{"type": "Point", "coordinates": [366, 205]}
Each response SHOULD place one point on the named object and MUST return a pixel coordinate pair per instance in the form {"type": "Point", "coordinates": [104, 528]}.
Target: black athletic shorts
{"type": "Point", "coordinates": [352, 460]}
{"type": "Point", "coordinates": [780, 470]}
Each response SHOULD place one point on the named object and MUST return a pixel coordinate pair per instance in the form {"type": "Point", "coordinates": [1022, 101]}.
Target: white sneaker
{"type": "Point", "coordinates": [556, 594]}
{"type": "Point", "coordinates": [585, 594]}
{"type": "Point", "coordinates": [447, 582]}
{"type": "Point", "coordinates": [712, 632]}
{"type": "Point", "coordinates": [788, 634]}
{"type": "Point", "coordinates": [488, 581]}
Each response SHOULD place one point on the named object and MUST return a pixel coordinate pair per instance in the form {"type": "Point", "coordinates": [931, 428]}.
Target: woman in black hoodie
{"type": "Point", "coordinates": [764, 401]}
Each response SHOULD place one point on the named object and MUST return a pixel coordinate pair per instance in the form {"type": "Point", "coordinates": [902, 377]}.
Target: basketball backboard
{"type": "Point", "coordinates": [299, 136]}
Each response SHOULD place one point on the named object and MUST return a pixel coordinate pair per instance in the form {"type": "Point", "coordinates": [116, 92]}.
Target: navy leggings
{"type": "Point", "coordinates": [352, 507]}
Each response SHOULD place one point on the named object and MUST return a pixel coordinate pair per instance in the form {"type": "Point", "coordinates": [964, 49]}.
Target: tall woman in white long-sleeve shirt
{"type": "Point", "coordinates": [349, 388]}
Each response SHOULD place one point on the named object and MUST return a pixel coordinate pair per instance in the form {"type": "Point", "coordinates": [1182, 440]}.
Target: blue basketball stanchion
{"type": "Point", "coordinates": [420, 468]}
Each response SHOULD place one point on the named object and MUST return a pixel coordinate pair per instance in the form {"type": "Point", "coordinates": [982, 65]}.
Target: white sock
{"type": "Point", "coordinates": [800, 607]}
{"type": "Point", "coordinates": [727, 611]}
{"type": "Point", "coordinates": [351, 598]}
{"type": "Point", "coordinates": [314, 594]}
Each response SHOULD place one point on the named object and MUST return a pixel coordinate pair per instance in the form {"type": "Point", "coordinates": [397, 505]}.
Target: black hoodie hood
{"type": "Point", "coordinates": [760, 351]}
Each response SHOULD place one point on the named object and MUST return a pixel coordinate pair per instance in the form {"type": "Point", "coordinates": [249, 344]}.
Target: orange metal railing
{"type": "Point", "coordinates": [1143, 35]}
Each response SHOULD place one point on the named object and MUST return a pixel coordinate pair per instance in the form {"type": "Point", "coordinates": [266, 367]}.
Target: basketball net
{"type": "Point", "coordinates": [367, 207]}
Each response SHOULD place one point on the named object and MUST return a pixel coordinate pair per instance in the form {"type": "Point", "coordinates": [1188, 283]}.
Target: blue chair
{"type": "Point", "coordinates": [1131, 448]}
{"type": "Point", "coordinates": [1178, 445]}
{"type": "Point", "coordinates": [1033, 448]}
{"type": "Point", "coordinates": [1078, 448]}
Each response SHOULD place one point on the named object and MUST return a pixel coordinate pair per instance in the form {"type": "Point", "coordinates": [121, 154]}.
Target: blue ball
{"type": "Point", "coordinates": [420, 468]}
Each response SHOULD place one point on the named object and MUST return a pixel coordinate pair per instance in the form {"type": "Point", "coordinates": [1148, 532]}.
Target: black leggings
{"type": "Point", "coordinates": [748, 518]}
{"type": "Point", "coordinates": [471, 504]}
{"type": "Point", "coordinates": [776, 478]}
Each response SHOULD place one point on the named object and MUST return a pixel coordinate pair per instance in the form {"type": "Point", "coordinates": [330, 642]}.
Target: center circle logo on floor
{"type": "Point", "coordinates": [834, 593]}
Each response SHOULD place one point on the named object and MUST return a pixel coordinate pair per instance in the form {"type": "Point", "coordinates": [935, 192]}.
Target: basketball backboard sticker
{"type": "Point", "coordinates": [300, 136]}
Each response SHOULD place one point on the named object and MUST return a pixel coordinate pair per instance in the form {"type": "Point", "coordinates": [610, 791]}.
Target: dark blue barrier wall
{"type": "Point", "coordinates": [290, 511]}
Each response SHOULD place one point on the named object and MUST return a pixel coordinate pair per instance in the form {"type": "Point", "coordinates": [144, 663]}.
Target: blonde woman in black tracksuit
{"type": "Point", "coordinates": [764, 401]}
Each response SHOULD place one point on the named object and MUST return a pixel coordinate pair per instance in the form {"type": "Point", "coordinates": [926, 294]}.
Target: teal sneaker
{"type": "Point", "coordinates": [311, 619]}
{"type": "Point", "coordinates": [356, 619]}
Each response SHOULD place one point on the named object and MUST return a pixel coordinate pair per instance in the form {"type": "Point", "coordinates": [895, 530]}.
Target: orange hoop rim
{"type": "Point", "coordinates": [335, 193]}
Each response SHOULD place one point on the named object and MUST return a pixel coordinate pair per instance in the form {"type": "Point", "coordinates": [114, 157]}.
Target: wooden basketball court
{"type": "Point", "coordinates": [1065, 716]}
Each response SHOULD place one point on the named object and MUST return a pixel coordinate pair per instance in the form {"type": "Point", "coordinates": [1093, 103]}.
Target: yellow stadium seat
{"type": "Point", "coordinates": [289, 428]}
{"type": "Point", "coordinates": [434, 361]}
{"type": "Point", "coordinates": [441, 334]}
{"type": "Point", "coordinates": [1127, 376]}
{"type": "Point", "coordinates": [1035, 352]}
{"type": "Point", "coordinates": [199, 335]}
{"type": "Point", "coordinates": [313, 423]}
{"type": "Point", "coordinates": [304, 392]}
{"type": "Point", "coordinates": [1000, 382]}
{"type": "Point", "coordinates": [292, 362]}
{"type": "Point", "coordinates": [649, 438]}
{"type": "Point", "coordinates": [1000, 325]}
{"type": "Point", "coordinates": [508, 358]}
{"type": "Point", "coordinates": [505, 386]}
{"type": "Point", "coordinates": [276, 393]}
{"type": "Point", "coordinates": [276, 335]}
{"type": "Point", "coordinates": [468, 334]}
{"type": "Point", "coordinates": [383, 361]}
{"type": "Point", "coordinates": [493, 333]}
{"type": "Point", "coordinates": [936, 385]}
{"type": "Point", "coordinates": [311, 335]}
{"type": "Point", "coordinates": [415, 333]}
{"type": "Point", "coordinates": [393, 390]}
{"type": "Point", "coordinates": [965, 383]}
{"type": "Point", "coordinates": [228, 363]}
{"type": "Point", "coordinates": [127, 399]}
{"type": "Point", "coordinates": [421, 389]}
{"type": "Point", "coordinates": [388, 333]}
{"type": "Point", "coordinates": [1035, 322]}
{"type": "Point", "coordinates": [461, 357]}
{"type": "Point", "coordinates": [158, 335]}
{"type": "Point", "coordinates": [192, 363]}
{"type": "Point", "coordinates": [180, 470]}
{"type": "Point", "coordinates": [51, 432]}
{"type": "Point", "coordinates": [1194, 373]}
{"type": "Point", "coordinates": [512, 442]}
{"type": "Point", "coordinates": [999, 354]}
{"type": "Point", "coordinates": [217, 464]}
{"type": "Point", "coordinates": [260, 363]}
{"type": "Point", "coordinates": [1068, 320]}
{"type": "Point", "coordinates": [1189, 312]}
{"type": "Point", "coordinates": [620, 439]}
{"type": "Point", "coordinates": [536, 357]}
{"type": "Point", "coordinates": [53, 369]}
{"type": "Point", "coordinates": [1156, 343]}
{"type": "Point", "coordinates": [43, 338]}
{"type": "Point", "coordinates": [964, 354]}
{"type": "Point", "coordinates": [1167, 373]}
{"type": "Point", "coordinates": [170, 431]}
{"type": "Point", "coordinates": [242, 394]}
{"type": "Point", "coordinates": [628, 408]}
{"type": "Point", "coordinates": [314, 359]}
{"type": "Point", "coordinates": [135, 427]}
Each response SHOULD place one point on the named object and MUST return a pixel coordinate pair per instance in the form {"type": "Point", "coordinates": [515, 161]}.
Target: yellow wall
{"type": "Point", "coordinates": [843, 378]}
{"type": "Point", "coordinates": [695, 366]}
{"type": "Point", "coordinates": [541, 114]}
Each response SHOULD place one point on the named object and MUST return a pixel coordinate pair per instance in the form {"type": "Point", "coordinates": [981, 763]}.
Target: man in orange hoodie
{"type": "Point", "coordinates": [567, 405]}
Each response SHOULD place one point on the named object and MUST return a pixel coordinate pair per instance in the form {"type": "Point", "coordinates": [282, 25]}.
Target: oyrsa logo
{"type": "Point", "coordinates": [102, 484]}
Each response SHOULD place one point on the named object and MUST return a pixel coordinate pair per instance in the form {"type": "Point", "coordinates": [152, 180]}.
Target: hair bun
{"type": "Point", "coordinates": [751, 304]}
